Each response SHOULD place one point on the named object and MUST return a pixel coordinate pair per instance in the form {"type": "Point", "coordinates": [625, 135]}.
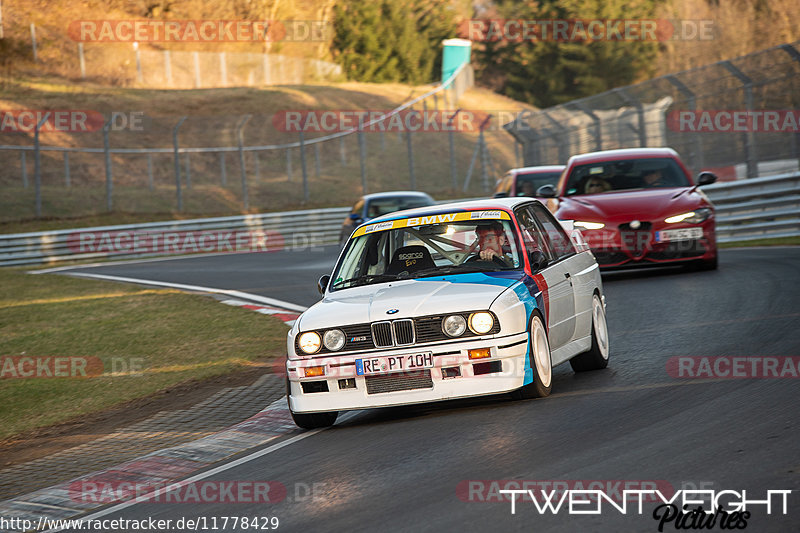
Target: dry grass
{"type": "Point", "coordinates": [173, 337]}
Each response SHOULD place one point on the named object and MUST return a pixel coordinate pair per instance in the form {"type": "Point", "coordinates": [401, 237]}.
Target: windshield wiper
{"type": "Point", "coordinates": [366, 279]}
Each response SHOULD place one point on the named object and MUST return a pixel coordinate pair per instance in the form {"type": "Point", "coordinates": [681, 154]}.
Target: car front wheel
{"type": "Point", "coordinates": [597, 356]}
{"type": "Point", "coordinates": [541, 365]}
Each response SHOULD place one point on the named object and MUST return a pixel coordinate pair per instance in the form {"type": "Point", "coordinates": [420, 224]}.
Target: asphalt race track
{"type": "Point", "coordinates": [409, 469]}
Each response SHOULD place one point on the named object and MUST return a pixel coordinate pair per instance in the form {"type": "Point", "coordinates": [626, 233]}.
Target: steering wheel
{"type": "Point", "coordinates": [497, 259]}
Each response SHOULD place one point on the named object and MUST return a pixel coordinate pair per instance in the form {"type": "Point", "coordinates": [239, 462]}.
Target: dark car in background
{"type": "Point", "coordinates": [526, 181]}
{"type": "Point", "coordinates": [377, 204]}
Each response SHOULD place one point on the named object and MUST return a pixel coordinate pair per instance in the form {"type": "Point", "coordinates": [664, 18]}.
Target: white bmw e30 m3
{"type": "Point", "coordinates": [443, 302]}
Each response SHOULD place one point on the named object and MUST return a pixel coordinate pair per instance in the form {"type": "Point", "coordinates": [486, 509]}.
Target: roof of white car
{"type": "Point", "coordinates": [468, 205]}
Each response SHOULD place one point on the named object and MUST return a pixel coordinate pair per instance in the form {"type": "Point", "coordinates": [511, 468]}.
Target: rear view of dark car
{"type": "Point", "coordinates": [377, 204]}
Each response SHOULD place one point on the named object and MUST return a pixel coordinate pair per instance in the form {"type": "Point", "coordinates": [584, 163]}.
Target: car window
{"type": "Point", "coordinates": [383, 206]}
{"type": "Point", "coordinates": [556, 239]}
{"type": "Point", "coordinates": [625, 174]}
{"type": "Point", "coordinates": [528, 184]}
{"type": "Point", "coordinates": [532, 237]}
{"type": "Point", "coordinates": [425, 250]}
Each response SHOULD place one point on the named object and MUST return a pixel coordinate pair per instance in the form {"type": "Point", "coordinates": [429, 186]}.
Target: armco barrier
{"type": "Point", "coordinates": [746, 210]}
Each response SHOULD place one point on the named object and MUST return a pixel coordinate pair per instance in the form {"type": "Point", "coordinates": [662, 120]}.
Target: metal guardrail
{"type": "Point", "coordinates": [757, 208]}
{"type": "Point", "coordinates": [746, 210]}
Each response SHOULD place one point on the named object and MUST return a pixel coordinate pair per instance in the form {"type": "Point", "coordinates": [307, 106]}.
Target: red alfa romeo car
{"type": "Point", "coordinates": [638, 207]}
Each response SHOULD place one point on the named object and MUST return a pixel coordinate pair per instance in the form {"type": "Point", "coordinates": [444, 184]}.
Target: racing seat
{"type": "Point", "coordinates": [410, 259]}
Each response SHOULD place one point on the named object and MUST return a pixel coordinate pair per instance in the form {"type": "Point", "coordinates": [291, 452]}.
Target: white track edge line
{"type": "Point", "coordinates": [197, 288]}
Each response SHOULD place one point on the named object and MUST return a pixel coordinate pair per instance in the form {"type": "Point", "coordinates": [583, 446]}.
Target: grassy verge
{"type": "Point", "coordinates": [166, 336]}
{"type": "Point", "coordinates": [779, 241]}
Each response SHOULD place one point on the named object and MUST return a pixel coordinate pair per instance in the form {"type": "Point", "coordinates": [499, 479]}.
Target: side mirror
{"type": "Point", "coordinates": [322, 284]}
{"type": "Point", "coordinates": [538, 260]}
{"type": "Point", "coordinates": [355, 217]}
{"type": "Point", "coordinates": [500, 195]}
{"type": "Point", "coordinates": [706, 178]}
{"type": "Point", "coordinates": [546, 191]}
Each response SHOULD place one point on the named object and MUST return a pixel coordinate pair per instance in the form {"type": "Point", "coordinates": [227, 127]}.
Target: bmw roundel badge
{"type": "Point", "coordinates": [392, 311]}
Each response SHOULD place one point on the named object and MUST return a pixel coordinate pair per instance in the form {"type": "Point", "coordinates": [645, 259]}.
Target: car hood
{"type": "Point", "coordinates": [411, 298]}
{"type": "Point", "coordinates": [641, 204]}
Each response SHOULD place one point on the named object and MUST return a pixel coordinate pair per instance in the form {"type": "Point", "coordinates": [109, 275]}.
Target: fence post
{"type": "Point", "coordinates": [177, 163]}
{"type": "Point", "coordinates": [150, 172]}
{"type": "Point", "coordinates": [630, 100]}
{"type": "Point", "coordinates": [598, 132]}
{"type": "Point", "coordinates": [257, 166]}
{"type": "Point", "coordinates": [188, 170]}
{"type": "Point", "coordinates": [239, 136]}
{"type": "Point", "coordinates": [196, 58]}
{"type": "Point", "coordinates": [82, 61]}
{"type": "Point", "coordinates": [362, 155]}
{"type": "Point", "coordinates": [167, 68]}
{"type": "Point", "coordinates": [451, 142]}
{"type": "Point", "coordinates": [222, 170]}
{"type": "Point", "coordinates": [697, 138]}
{"type": "Point", "coordinates": [288, 164]}
{"type": "Point", "coordinates": [316, 159]}
{"type": "Point", "coordinates": [109, 182]}
{"type": "Point", "coordinates": [749, 136]}
{"type": "Point", "coordinates": [561, 136]}
{"type": "Point", "coordinates": [412, 177]}
{"type": "Point", "coordinates": [33, 42]}
{"type": "Point", "coordinates": [66, 169]}
{"type": "Point", "coordinates": [342, 151]}
{"type": "Point", "coordinates": [24, 163]}
{"type": "Point", "coordinates": [303, 164]}
{"type": "Point", "coordinates": [265, 66]}
{"type": "Point", "coordinates": [139, 77]}
{"type": "Point", "coordinates": [37, 167]}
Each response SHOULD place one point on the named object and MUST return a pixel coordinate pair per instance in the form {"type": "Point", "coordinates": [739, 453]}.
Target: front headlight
{"type": "Point", "coordinates": [481, 322]}
{"type": "Point", "coordinates": [333, 339]}
{"type": "Point", "coordinates": [588, 225]}
{"type": "Point", "coordinates": [309, 342]}
{"type": "Point", "coordinates": [454, 325]}
{"type": "Point", "coordinates": [692, 217]}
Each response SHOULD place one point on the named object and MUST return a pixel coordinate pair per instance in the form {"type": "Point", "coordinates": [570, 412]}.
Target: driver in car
{"type": "Point", "coordinates": [491, 239]}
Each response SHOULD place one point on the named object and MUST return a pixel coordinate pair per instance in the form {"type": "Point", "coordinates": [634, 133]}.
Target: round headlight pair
{"type": "Point", "coordinates": [480, 323]}
{"type": "Point", "coordinates": [310, 341]}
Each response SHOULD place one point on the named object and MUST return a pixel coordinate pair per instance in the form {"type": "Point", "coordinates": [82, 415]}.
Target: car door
{"type": "Point", "coordinates": [556, 277]}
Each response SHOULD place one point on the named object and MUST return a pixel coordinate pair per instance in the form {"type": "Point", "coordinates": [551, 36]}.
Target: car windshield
{"type": "Point", "coordinates": [449, 246]}
{"type": "Point", "coordinates": [528, 184]}
{"type": "Point", "coordinates": [382, 206]}
{"type": "Point", "coordinates": [625, 174]}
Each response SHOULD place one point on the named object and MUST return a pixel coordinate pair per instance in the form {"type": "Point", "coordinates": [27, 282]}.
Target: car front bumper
{"type": "Point", "coordinates": [453, 375]}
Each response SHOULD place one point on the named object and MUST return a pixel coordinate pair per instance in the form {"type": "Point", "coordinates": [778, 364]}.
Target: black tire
{"type": "Point", "coordinates": [541, 364]}
{"type": "Point", "coordinates": [597, 356]}
{"type": "Point", "coordinates": [311, 420]}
